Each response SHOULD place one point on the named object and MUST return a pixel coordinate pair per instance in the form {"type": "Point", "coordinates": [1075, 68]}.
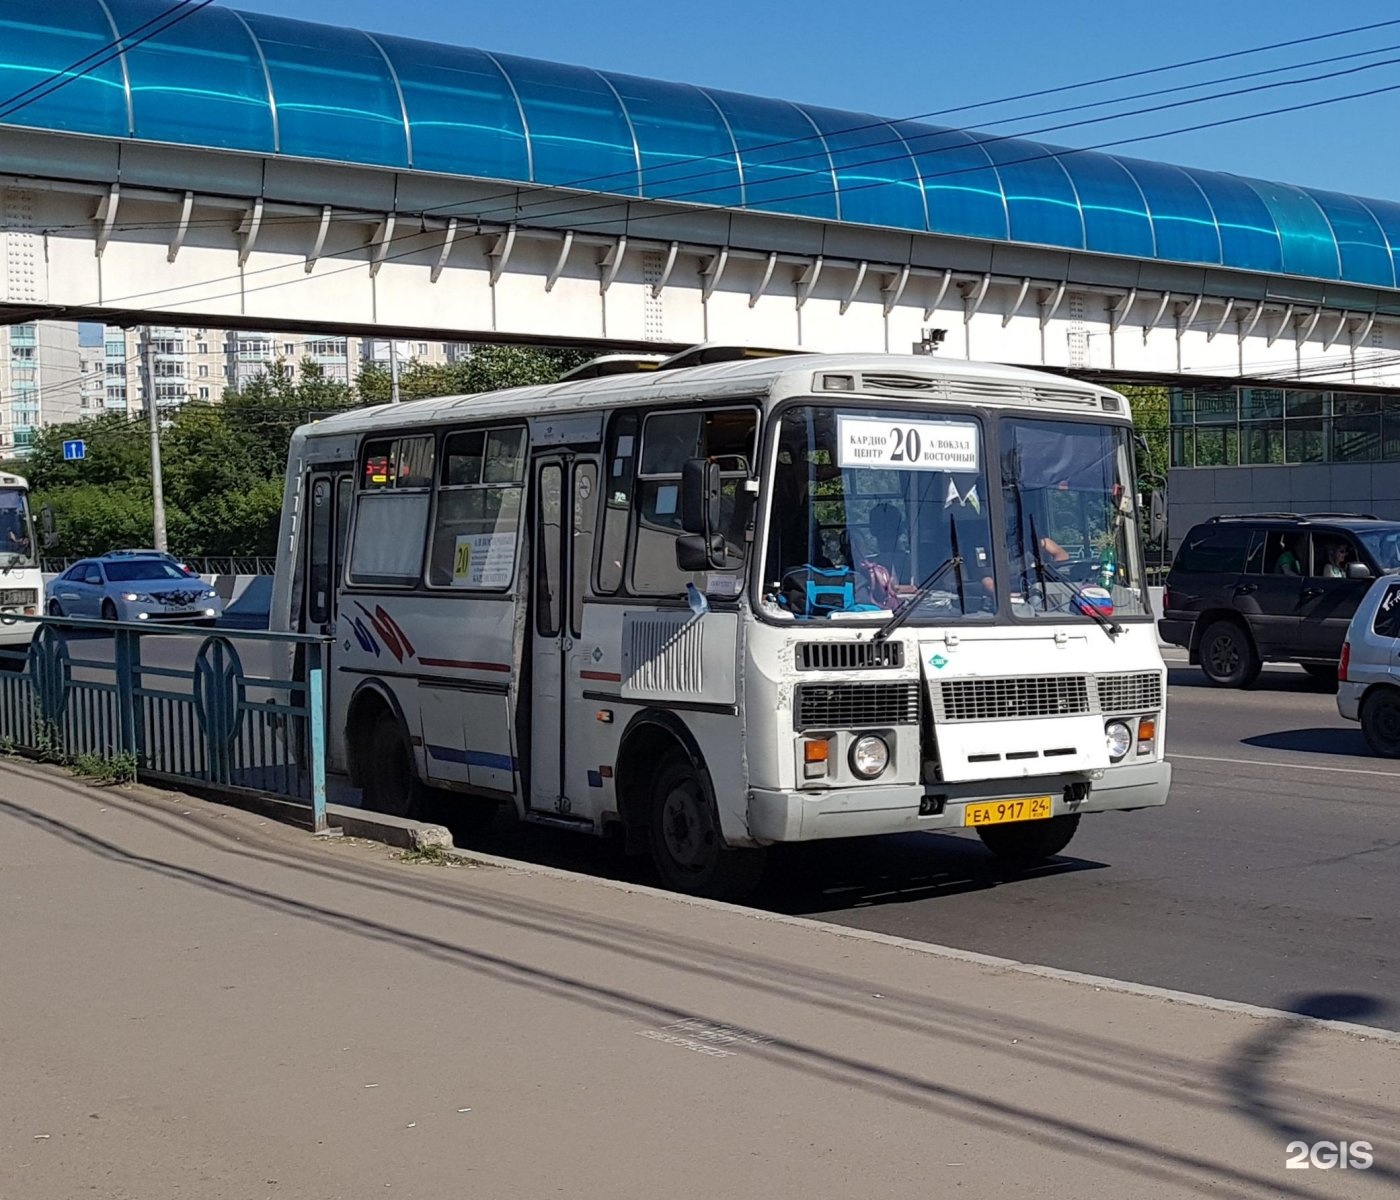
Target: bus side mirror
{"type": "Point", "coordinates": [700, 548]}
{"type": "Point", "coordinates": [1157, 517]}
{"type": "Point", "coordinates": [49, 525]}
{"type": "Point", "coordinates": [1358, 571]}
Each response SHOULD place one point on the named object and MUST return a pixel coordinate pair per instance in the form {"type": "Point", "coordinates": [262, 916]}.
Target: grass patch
{"type": "Point", "coordinates": [432, 855]}
{"type": "Point", "coordinates": [109, 769]}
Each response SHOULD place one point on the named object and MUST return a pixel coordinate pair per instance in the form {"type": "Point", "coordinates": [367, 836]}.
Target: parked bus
{"type": "Point", "coordinates": [21, 588]}
{"type": "Point", "coordinates": [722, 606]}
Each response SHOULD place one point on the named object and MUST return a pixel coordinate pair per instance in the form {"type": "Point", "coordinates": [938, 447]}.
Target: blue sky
{"type": "Point", "coordinates": [898, 58]}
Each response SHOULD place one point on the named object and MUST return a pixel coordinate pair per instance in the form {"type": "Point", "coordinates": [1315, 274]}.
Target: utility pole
{"type": "Point", "coordinates": [153, 416]}
{"type": "Point", "coordinates": [393, 371]}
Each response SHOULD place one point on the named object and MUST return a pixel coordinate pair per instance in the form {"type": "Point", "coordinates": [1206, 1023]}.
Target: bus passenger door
{"type": "Point", "coordinates": [565, 503]}
{"type": "Point", "coordinates": [327, 525]}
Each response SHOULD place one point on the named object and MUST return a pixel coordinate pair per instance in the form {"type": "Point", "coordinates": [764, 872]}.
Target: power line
{"type": "Point", "coordinates": [61, 79]}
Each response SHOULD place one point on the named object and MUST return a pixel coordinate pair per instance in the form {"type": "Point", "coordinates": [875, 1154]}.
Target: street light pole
{"type": "Point", "coordinates": [153, 416]}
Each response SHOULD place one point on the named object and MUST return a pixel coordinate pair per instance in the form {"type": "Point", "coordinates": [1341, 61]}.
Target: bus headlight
{"type": "Point", "coordinates": [1119, 738]}
{"type": "Point", "coordinates": [870, 755]}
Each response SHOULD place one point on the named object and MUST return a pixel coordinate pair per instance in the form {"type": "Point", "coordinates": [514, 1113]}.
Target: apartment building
{"type": "Point", "coordinates": [41, 380]}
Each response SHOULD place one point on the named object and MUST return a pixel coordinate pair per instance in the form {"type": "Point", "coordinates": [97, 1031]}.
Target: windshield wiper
{"type": "Point", "coordinates": [920, 594]}
{"type": "Point", "coordinates": [1112, 628]}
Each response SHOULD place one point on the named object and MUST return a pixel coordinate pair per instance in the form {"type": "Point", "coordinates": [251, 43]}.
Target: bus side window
{"type": "Point", "coordinates": [321, 527]}
{"type": "Point", "coordinates": [481, 489]}
{"type": "Point", "coordinates": [668, 439]}
{"type": "Point", "coordinates": [391, 515]}
{"type": "Point", "coordinates": [620, 474]}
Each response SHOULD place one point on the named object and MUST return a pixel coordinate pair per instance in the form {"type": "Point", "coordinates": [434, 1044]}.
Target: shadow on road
{"type": "Point", "coordinates": [1246, 1075]}
{"type": "Point", "coordinates": [815, 877]}
{"type": "Point", "coordinates": [1348, 742]}
{"type": "Point", "coordinates": [1281, 679]}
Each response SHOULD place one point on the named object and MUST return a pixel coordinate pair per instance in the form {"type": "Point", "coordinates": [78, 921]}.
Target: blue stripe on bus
{"type": "Point", "coordinates": [472, 758]}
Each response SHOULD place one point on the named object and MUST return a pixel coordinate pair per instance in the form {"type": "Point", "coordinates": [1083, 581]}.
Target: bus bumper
{"type": "Point", "coordinates": [782, 816]}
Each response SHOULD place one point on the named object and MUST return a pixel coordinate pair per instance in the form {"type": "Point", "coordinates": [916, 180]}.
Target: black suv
{"type": "Point", "coordinates": [1272, 587]}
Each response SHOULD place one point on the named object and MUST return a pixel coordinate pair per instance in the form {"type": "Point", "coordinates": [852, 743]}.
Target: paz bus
{"type": "Point", "coordinates": [735, 599]}
{"type": "Point", "coordinates": [21, 586]}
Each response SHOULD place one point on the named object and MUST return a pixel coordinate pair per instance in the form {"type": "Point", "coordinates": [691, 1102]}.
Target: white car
{"type": "Point", "coordinates": [1369, 674]}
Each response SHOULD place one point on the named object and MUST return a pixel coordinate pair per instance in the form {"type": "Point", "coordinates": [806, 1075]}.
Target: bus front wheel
{"type": "Point", "coordinates": [389, 782]}
{"type": "Point", "coordinates": [1024, 844]}
{"type": "Point", "coordinates": [686, 842]}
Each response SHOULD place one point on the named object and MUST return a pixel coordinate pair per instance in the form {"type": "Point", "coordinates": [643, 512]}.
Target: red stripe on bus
{"type": "Point", "coordinates": [604, 676]}
{"type": "Point", "coordinates": [464, 666]}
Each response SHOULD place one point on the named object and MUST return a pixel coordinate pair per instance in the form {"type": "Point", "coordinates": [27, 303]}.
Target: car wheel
{"type": "Point", "coordinates": [55, 608]}
{"type": "Point", "coordinates": [391, 785]}
{"type": "Point", "coordinates": [109, 611]}
{"type": "Point", "coordinates": [686, 843]}
{"type": "Point", "coordinates": [1024, 844]}
{"type": "Point", "coordinates": [1228, 657]}
{"type": "Point", "coordinates": [1380, 721]}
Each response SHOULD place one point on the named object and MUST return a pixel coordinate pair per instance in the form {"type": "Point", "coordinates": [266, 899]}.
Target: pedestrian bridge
{"type": "Point", "coordinates": [198, 165]}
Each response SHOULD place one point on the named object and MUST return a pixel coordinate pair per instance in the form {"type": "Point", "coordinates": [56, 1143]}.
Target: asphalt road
{"type": "Point", "coordinates": [1273, 870]}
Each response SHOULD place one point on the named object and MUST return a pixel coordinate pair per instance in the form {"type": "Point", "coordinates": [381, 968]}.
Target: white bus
{"type": "Point", "coordinates": [21, 586]}
{"type": "Point", "coordinates": [716, 607]}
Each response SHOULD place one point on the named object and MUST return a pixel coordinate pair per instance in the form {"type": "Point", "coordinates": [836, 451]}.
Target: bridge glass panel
{"type": "Point", "coordinates": [335, 96]}
{"type": "Point", "coordinates": [1364, 250]}
{"type": "Point", "coordinates": [875, 175]}
{"type": "Point", "coordinates": [198, 82]}
{"type": "Point", "coordinates": [464, 117]}
{"type": "Point", "coordinates": [1115, 214]}
{"type": "Point", "coordinates": [38, 39]}
{"type": "Point", "coordinates": [687, 152]}
{"type": "Point", "coordinates": [1309, 246]}
{"type": "Point", "coordinates": [1387, 216]}
{"type": "Point", "coordinates": [1040, 200]}
{"type": "Point", "coordinates": [962, 188]}
{"type": "Point", "coordinates": [1248, 236]}
{"type": "Point", "coordinates": [579, 135]}
{"type": "Point", "coordinates": [1181, 216]}
{"type": "Point", "coordinates": [786, 165]}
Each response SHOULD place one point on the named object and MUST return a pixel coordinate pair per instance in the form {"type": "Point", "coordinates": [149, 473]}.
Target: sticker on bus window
{"type": "Point", "coordinates": [624, 446]}
{"type": "Point", "coordinates": [900, 444]}
{"type": "Point", "coordinates": [666, 497]}
{"type": "Point", "coordinates": [483, 560]}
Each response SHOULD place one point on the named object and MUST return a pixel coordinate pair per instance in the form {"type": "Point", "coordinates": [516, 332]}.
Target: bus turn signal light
{"type": "Point", "coordinates": [1147, 734]}
{"type": "Point", "coordinates": [814, 757]}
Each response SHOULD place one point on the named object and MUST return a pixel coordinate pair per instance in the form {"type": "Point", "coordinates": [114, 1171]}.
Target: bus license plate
{"type": "Point", "coordinates": [1002, 812]}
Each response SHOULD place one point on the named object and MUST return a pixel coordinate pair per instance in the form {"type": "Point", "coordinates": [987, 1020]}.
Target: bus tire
{"type": "Point", "coordinates": [389, 784]}
{"type": "Point", "coordinates": [686, 842]}
{"type": "Point", "coordinates": [1024, 844]}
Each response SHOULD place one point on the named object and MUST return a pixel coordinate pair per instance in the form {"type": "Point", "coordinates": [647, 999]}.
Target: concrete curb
{"type": "Point", "coordinates": [392, 831]}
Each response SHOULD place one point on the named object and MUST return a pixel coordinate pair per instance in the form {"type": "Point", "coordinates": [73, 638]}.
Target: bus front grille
{"type": "Point", "coordinates": [1131, 692]}
{"type": "Point", "coordinates": [848, 656]}
{"type": "Point", "coordinates": [856, 705]}
{"type": "Point", "coordinates": [1008, 699]}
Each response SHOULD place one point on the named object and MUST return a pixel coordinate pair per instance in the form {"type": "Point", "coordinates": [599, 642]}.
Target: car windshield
{"type": "Point", "coordinates": [866, 505]}
{"type": "Point", "coordinates": [148, 568]}
{"type": "Point", "coordinates": [1070, 520]}
{"type": "Point", "coordinates": [16, 529]}
{"type": "Point", "coordinates": [1383, 545]}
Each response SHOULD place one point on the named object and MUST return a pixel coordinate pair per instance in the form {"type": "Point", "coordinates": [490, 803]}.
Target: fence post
{"type": "Point", "coordinates": [127, 653]}
{"type": "Point", "coordinates": [316, 719]}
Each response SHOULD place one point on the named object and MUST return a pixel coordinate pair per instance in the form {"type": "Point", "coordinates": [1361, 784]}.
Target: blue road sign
{"type": "Point", "coordinates": [74, 450]}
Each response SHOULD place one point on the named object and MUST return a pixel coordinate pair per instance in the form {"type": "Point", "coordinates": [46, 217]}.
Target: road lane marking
{"type": "Point", "coordinates": [1283, 766]}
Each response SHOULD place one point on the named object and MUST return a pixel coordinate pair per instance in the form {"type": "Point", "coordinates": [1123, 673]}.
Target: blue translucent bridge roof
{"type": "Point", "coordinates": [269, 85]}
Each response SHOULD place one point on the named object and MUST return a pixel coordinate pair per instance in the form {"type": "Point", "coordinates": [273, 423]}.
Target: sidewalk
{"type": "Point", "coordinates": [195, 1002]}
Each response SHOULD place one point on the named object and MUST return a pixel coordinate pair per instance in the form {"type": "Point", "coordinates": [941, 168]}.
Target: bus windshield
{"type": "Point", "coordinates": [868, 505]}
{"type": "Point", "coordinates": [16, 529]}
{"type": "Point", "coordinates": [1069, 519]}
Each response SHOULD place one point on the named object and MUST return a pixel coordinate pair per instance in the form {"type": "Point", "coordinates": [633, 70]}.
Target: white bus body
{"type": "Point", "coordinates": [21, 585]}
{"type": "Point", "coordinates": [511, 624]}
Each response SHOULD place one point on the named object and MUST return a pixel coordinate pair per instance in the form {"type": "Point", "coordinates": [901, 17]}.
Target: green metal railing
{"type": "Point", "coordinates": [177, 702]}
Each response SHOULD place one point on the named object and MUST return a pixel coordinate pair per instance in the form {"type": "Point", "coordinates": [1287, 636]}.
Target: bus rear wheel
{"type": "Point", "coordinates": [686, 842]}
{"type": "Point", "coordinates": [1024, 844]}
{"type": "Point", "coordinates": [388, 780]}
